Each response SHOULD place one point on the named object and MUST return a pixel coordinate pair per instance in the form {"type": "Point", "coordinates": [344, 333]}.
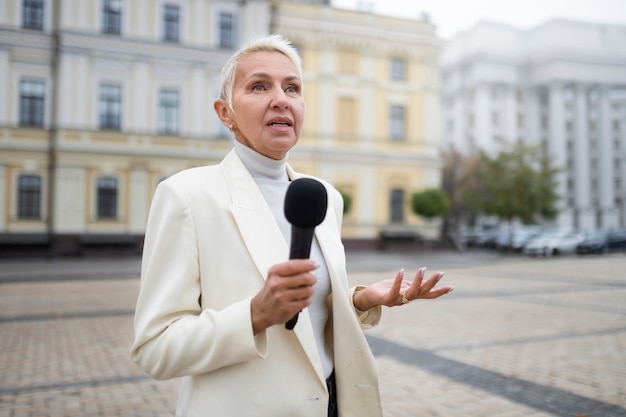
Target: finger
{"type": "Point", "coordinates": [293, 267]}
{"type": "Point", "coordinates": [431, 282]}
{"type": "Point", "coordinates": [394, 291]}
{"type": "Point", "coordinates": [415, 288]}
{"type": "Point", "coordinates": [438, 292]}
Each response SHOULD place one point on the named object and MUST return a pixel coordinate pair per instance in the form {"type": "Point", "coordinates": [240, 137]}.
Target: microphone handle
{"type": "Point", "coordinates": [301, 240]}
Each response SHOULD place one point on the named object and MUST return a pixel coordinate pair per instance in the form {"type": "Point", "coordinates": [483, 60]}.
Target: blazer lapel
{"type": "Point", "coordinates": [264, 240]}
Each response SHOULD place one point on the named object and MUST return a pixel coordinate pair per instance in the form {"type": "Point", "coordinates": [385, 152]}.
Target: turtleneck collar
{"type": "Point", "coordinates": [260, 166]}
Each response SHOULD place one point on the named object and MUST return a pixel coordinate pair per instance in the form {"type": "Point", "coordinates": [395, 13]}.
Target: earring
{"type": "Point", "coordinates": [231, 128]}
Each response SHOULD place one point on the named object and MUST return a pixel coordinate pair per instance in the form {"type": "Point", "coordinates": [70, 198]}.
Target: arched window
{"type": "Point", "coordinates": [29, 197]}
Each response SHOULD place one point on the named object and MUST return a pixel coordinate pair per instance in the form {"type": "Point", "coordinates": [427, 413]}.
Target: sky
{"type": "Point", "coordinates": [453, 16]}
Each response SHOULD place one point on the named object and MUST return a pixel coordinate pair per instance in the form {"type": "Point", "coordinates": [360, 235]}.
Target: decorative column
{"type": "Point", "coordinates": [607, 154]}
{"type": "Point", "coordinates": [585, 219]}
{"type": "Point", "coordinates": [557, 152]}
{"type": "Point", "coordinates": [139, 197]}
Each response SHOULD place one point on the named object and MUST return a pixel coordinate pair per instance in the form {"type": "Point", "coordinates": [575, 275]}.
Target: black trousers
{"type": "Point", "coordinates": [332, 395]}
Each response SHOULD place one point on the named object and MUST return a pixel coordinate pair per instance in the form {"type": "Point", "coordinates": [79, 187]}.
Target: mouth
{"type": "Point", "coordinates": [280, 122]}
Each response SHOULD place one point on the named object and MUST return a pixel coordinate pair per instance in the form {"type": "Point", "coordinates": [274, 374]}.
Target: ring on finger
{"type": "Point", "coordinates": [405, 300]}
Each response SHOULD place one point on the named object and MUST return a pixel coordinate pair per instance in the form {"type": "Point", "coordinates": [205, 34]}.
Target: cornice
{"type": "Point", "coordinates": [114, 46]}
{"type": "Point", "coordinates": [323, 26]}
{"type": "Point", "coordinates": [86, 43]}
{"type": "Point", "coordinates": [356, 36]}
{"type": "Point", "coordinates": [11, 38]}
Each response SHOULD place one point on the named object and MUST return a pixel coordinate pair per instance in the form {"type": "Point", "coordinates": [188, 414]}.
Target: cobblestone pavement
{"type": "Point", "coordinates": [517, 337]}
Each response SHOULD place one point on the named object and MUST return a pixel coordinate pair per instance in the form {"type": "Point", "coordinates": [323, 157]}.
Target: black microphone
{"type": "Point", "coordinates": [305, 207]}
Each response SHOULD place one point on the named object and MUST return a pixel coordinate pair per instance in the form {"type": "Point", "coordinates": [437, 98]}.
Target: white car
{"type": "Point", "coordinates": [556, 243]}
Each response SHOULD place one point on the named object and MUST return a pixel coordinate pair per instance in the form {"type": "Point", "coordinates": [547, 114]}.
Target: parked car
{"type": "Point", "coordinates": [617, 240]}
{"type": "Point", "coordinates": [480, 238]}
{"type": "Point", "coordinates": [515, 241]}
{"type": "Point", "coordinates": [488, 239]}
{"type": "Point", "coordinates": [554, 243]}
{"type": "Point", "coordinates": [603, 241]}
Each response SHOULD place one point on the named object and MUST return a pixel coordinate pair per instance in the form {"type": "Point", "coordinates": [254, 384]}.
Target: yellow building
{"type": "Point", "coordinates": [372, 124]}
{"type": "Point", "coordinates": [103, 99]}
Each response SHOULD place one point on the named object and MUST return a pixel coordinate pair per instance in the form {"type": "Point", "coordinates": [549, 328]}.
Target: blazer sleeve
{"type": "Point", "coordinates": [174, 335]}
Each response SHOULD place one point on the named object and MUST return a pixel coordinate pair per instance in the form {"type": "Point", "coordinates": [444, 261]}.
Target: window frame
{"type": "Point", "coordinates": [112, 18]}
{"type": "Point", "coordinates": [171, 23]}
{"type": "Point", "coordinates": [33, 14]}
{"type": "Point", "coordinates": [29, 197]}
{"type": "Point", "coordinates": [169, 111]}
{"type": "Point", "coordinates": [396, 205]}
{"type": "Point", "coordinates": [226, 31]}
{"type": "Point", "coordinates": [397, 123]}
{"type": "Point", "coordinates": [110, 110]}
{"type": "Point", "coordinates": [107, 197]}
{"type": "Point", "coordinates": [398, 69]}
{"type": "Point", "coordinates": [31, 105]}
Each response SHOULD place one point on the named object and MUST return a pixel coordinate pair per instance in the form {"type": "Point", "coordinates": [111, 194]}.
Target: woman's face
{"type": "Point", "coordinates": [268, 106]}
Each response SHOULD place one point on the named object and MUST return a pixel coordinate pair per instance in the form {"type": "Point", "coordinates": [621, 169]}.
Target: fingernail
{"type": "Point", "coordinates": [441, 274]}
{"type": "Point", "coordinates": [316, 264]}
{"type": "Point", "coordinates": [401, 272]}
{"type": "Point", "coordinates": [450, 290]}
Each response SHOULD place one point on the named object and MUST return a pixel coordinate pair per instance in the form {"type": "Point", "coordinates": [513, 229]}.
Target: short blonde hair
{"type": "Point", "coordinates": [270, 43]}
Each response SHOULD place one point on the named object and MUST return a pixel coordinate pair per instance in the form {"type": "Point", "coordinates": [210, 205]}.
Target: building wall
{"type": "Point", "coordinates": [70, 152]}
{"type": "Point", "coordinates": [349, 91]}
{"type": "Point", "coordinates": [562, 86]}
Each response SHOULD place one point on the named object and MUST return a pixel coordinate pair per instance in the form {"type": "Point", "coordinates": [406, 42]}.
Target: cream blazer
{"type": "Point", "coordinates": [210, 240]}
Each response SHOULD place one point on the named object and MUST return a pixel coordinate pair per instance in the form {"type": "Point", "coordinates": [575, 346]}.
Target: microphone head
{"type": "Point", "coordinates": [305, 203]}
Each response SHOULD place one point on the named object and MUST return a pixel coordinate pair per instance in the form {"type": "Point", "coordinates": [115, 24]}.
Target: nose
{"type": "Point", "coordinates": [280, 99]}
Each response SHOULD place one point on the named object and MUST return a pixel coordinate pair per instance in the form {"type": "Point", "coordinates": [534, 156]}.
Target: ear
{"type": "Point", "coordinates": [223, 112]}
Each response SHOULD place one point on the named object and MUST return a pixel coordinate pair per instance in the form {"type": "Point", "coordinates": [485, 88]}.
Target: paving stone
{"type": "Point", "coordinates": [518, 337]}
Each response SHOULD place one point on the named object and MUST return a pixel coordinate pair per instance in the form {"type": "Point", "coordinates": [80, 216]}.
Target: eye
{"type": "Point", "coordinates": [258, 87]}
{"type": "Point", "coordinates": [293, 89]}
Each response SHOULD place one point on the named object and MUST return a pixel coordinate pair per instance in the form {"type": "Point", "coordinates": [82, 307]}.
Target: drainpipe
{"type": "Point", "coordinates": [52, 131]}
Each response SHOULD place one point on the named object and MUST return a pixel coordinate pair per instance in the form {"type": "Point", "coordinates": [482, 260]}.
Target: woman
{"type": "Point", "coordinates": [217, 288]}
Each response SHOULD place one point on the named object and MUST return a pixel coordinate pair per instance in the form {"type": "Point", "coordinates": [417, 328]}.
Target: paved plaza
{"type": "Point", "coordinates": [518, 337]}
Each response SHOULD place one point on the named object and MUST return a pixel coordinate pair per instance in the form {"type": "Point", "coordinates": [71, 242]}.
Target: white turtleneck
{"type": "Point", "coordinates": [272, 179]}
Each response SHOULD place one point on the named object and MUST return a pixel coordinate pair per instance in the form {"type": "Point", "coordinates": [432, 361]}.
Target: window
{"type": "Point", "coordinates": [398, 69]}
{"type": "Point", "coordinates": [29, 197]}
{"type": "Point", "coordinates": [112, 17]}
{"type": "Point", "coordinates": [397, 125]}
{"type": "Point", "coordinates": [32, 14]}
{"type": "Point", "coordinates": [110, 106]}
{"type": "Point", "coordinates": [31, 103]}
{"type": "Point", "coordinates": [107, 198]}
{"type": "Point", "coordinates": [171, 23]}
{"type": "Point", "coordinates": [169, 111]}
{"type": "Point", "coordinates": [227, 30]}
{"type": "Point", "coordinates": [396, 209]}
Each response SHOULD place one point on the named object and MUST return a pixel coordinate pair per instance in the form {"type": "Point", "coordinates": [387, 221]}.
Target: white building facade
{"type": "Point", "coordinates": [562, 86]}
{"type": "Point", "coordinates": [100, 101]}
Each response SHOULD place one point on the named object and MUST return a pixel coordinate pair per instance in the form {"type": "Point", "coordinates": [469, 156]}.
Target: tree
{"type": "Point", "coordinates": [459, 183]}
{"type": "Point", "coordinates": [429, 203]}
{"type": "Point", "coordinates": [347, 201]}
{"type": "Point", "coordinates": [518, 183]}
